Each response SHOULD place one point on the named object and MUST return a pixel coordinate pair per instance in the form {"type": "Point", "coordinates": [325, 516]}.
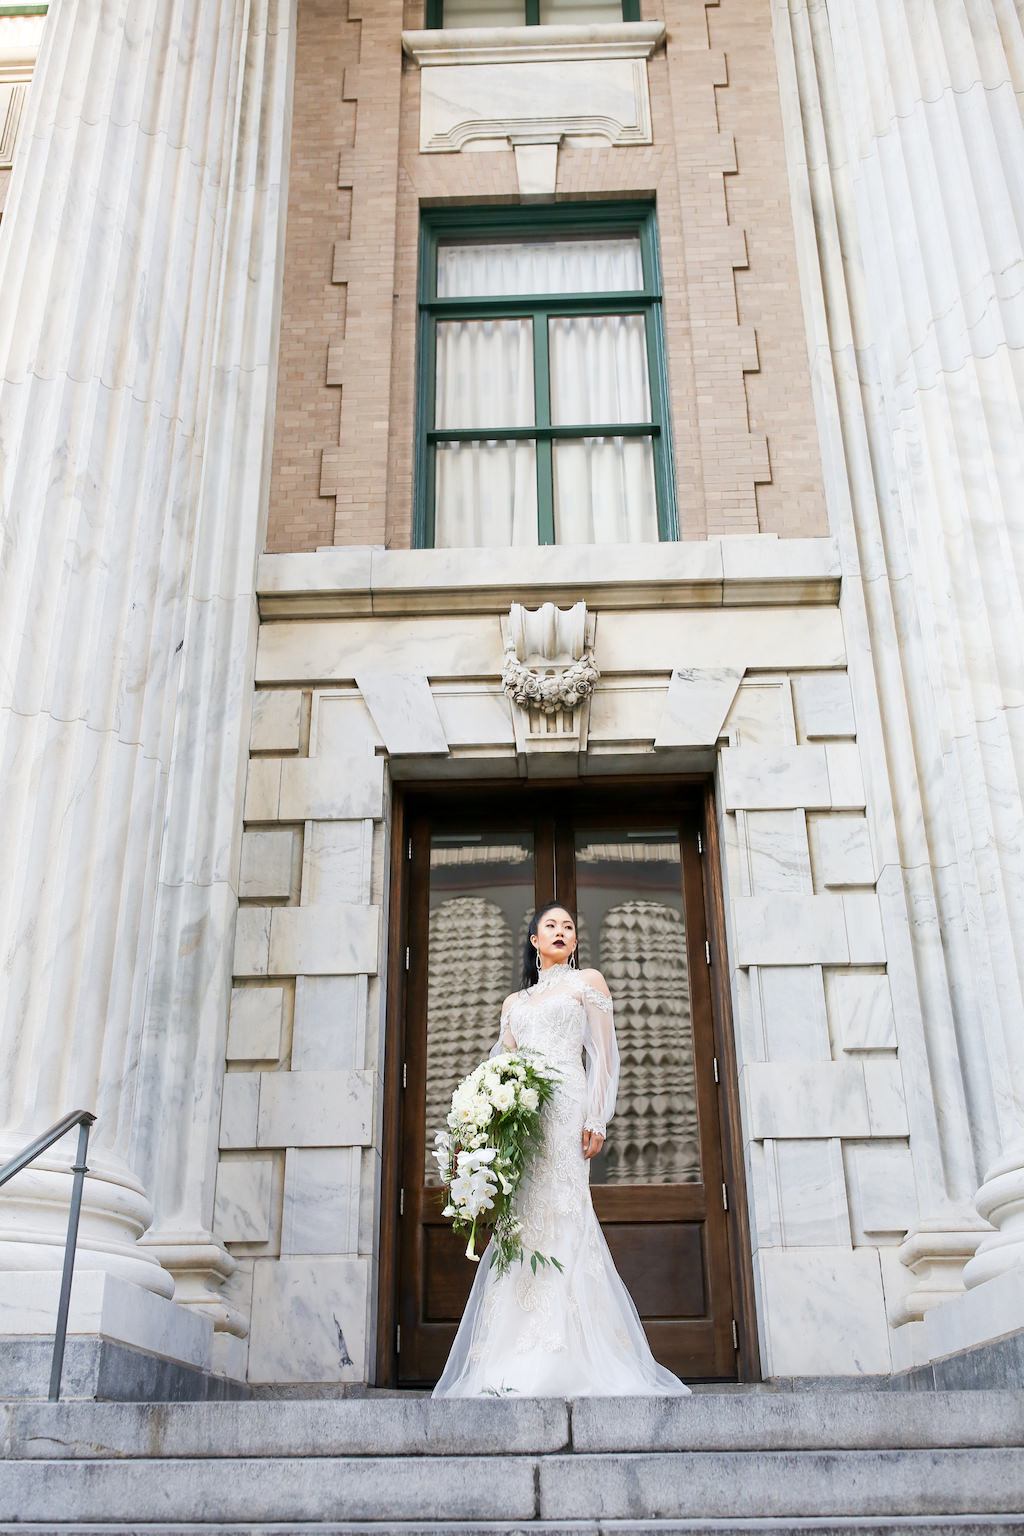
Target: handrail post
{"type": "Point", "coordinates": [79, 1170]}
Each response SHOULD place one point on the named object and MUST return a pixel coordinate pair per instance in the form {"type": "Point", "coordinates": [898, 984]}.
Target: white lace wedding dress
{"type": "Point", "coordinates": [551, 1334]}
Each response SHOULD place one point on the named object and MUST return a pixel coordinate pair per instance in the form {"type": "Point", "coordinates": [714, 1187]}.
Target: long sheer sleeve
{"type": "Point", "coordinates": [602, 1059]}
{"type": "Point", "coordinates": [506, 1039]}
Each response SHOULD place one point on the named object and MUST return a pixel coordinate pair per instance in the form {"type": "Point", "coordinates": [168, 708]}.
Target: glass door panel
{"type": "Point", "coordinates": [480, 904]}
{"type": "Point", "coordinates": [629, 896]}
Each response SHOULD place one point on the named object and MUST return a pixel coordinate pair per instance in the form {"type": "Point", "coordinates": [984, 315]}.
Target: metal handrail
{"type": "Point", "coordinates": [83, 1118]}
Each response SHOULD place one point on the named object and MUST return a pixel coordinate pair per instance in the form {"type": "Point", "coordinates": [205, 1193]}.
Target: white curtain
{"type": "Point", "coordinates": [603, 487]}
{"type": "Point", "coordinates": [539, 266]}
{"type": "Point", "coordinates": [567, 13]}
{"type": "Point", "coordinates": [484, 13]}
{"type": "Point", "coordinates": [486, 495]}
{"type": "Point", "coordinates": [512, 13]}
{"type": "Point", "coordinates": [485, 492]}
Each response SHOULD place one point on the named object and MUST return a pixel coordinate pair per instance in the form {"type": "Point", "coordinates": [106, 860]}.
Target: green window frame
{"type": "Point", "coordinates": [435, 12]}
{"type": "Point", "coordinates": [555, 222]}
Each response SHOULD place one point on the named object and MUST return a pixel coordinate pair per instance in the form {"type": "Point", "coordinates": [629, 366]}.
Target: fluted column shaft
{"type": "Point", "coordinates": [917, 179]}
{"type": "Point", "coordinates": [184, 1037]}
{"type": "Point", "coordinates": [111, 256]}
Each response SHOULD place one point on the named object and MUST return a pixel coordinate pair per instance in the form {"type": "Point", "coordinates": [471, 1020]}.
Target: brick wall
{"type": "Point", "coordinates": [744, 437]}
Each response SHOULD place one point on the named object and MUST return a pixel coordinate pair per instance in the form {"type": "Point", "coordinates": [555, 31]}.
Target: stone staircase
{"type": "Point", "coordinates": [825, 1462]}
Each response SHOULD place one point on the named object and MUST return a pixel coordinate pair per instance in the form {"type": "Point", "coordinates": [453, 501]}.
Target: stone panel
{"type": "Point", "coordinates": [336, 789]}
{"type": "Point", "coordinates": [254, 1023]}
{"type": "Point", "coordinates": [805, 1194]}
{"type": "Point", "coordinates": [824, 705]}
{"type": "Point", "coordinates": [777, 853]}
{"type": "Point", "coordinates": [794, 1021]}
{"type": "Point", "coordinates": [840, 851]}
{"type": "Point", "coordinates": [800, 1100]}
{"type": "Point", "coordinates": [266, 868]}
{"type": "Point", "coordinates": [239, 1110]}
{"type": "Point", "coordinates": [317, 941]}
{"type": "Point", "coordinates": [242, 1208]}
{"type": "Point", "coordinates": [860, 1010]}
{"type": "Point", "coordinates": [315, 1109]}
{"type": "Point", "coordinates": [263, 789]}
{"type": "Point", "coordinates": [308, 1320]}
{"type": "Point", "coordinates": [790, 930]}
{"type": "Point", "coordinates": [336, 862]}
{"type": "Point", "coordinates": [824, 1313]}
{"type": "Point", "coordinates": [697, 703]}
{"type": "Point", "coordinates": [845, 775]}
{"type": "Point", "coordinates": [779, 778]}
{"type": "Point", "coordinates": [276, 720]}
{"type": "Point", "coordinates": [321, 1201]}
{"type": "Point", "coordinates": [883, 1194]}
{"type": "Point", "coordinates": [329, 1028]}
{"type": "Point", "coordinates": [403, 711]}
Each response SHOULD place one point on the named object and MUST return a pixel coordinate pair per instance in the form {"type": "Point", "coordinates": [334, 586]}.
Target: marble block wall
{"type": "Point", "coordinates": [832, 1189]}
{"type": "Point", "coordinates": [735, 666]}
{"type": "Point", "coordinates": [299, 1143]}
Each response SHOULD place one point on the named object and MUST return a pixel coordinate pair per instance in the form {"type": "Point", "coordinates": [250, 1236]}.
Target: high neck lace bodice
{"type": "Point", "coordinates": [563, 1016]}
{"type": "Point", "coordinates": [551, 975]}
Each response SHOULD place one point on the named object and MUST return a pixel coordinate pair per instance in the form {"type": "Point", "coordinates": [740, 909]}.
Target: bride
{"type": "Point", "coordinates": [573, 1333]}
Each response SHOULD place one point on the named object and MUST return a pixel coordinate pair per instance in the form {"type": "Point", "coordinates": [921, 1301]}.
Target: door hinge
{"type": "Point", "coordinates": [714, 1063]}
{"type": "Point", "coordinates": [725, 1198]}
{"type": "Point", "coordinates": [735, 1335]}
{"type": "Point", "coordinates": [408, 850]}
{"type": "Point", "coordinates": [401, 1202]}
{"type": "Point", "coordinates": [700, 843]}
{"type": "Point", "coordinates": [398, 1339]}
{"type": "Point", "coordinates": [707, 951]}
{"type": "Point", "coordinates": [407, 956]}
{"type": "Point", "coordinates": [405, 1074]}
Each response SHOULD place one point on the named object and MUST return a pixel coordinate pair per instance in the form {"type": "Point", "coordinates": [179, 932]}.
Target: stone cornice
{"type": "Point", "coordinates": [710, 573]}
{"type": "Point", "coordinates": [525, 45]}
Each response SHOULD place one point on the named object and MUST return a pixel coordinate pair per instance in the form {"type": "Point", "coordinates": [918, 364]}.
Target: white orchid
{"type": "Point", "coordinates": [493, 1123]}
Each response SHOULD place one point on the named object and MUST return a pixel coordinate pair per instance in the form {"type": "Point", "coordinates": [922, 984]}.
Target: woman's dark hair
{"type": "Point", "coordinates": [529, 975]}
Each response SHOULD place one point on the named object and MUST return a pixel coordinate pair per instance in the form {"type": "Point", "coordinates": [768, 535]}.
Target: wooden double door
{"type": "Point", "coordinates": [632, 864]}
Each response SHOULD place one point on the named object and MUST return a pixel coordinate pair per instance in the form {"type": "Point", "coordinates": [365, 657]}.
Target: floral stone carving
{"type": "Point", "coordinates": [549, 673]}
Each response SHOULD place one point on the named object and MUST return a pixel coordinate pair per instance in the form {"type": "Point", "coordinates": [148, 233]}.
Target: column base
{"type": "Point", "coordinates": [935, 1252]}
{"type": "Point", "coordinates": [110, 1322]}
{"type": "Point", "coordinates": [992, 1310]}
{"type": "Point", "coordinates": [99, 1370]}
{"type": "Point", "coordinates": [1000, 1200]}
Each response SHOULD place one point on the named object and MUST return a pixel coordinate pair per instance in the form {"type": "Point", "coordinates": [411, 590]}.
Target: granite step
{"type": "Point", "coordinates": [354, 1427]}
{"type": "Point", "coordinates": [846, 1462]}
{"type": "Point", "coordinates": [968, 1525]}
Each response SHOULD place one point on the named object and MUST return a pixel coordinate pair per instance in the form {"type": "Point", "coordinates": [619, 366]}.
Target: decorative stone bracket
{"type": "Point", "coordinates": [549, 674]}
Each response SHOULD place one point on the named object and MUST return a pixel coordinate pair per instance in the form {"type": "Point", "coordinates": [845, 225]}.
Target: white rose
{"type": "Point", "coordinates": [503, 1096]}
{"type": "Point", "coordinates": [529, 1098]}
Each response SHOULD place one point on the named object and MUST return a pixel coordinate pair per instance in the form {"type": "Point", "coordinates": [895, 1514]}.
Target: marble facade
{"type": "Point", "coordinates": [199, 741]}
{"type": "Point", "coordinates": [767, 708]}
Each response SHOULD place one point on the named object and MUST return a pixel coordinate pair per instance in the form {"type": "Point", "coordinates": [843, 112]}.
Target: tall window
{"type": "Point", "coordinates": [542, 382]}
{"type": "Point", "coordinates": [530, 13]}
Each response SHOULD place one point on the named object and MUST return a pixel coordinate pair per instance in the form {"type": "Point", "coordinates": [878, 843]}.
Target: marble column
{"type": "Point", "coordinates": [124, 200]}
{"type": "Point", "coordinates": [907, 157]}
{"type": "Point", "coordinates": [177, 1104]}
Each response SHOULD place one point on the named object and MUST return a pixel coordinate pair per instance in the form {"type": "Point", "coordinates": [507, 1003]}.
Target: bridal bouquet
{"type": "Point", "coordinates": [492, 1129]}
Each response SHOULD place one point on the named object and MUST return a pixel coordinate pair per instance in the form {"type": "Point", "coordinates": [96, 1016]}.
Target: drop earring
{"type": "Point", "coordinates": [573, 961]}
{"type": "Point", "coordinates": [537, 953]}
